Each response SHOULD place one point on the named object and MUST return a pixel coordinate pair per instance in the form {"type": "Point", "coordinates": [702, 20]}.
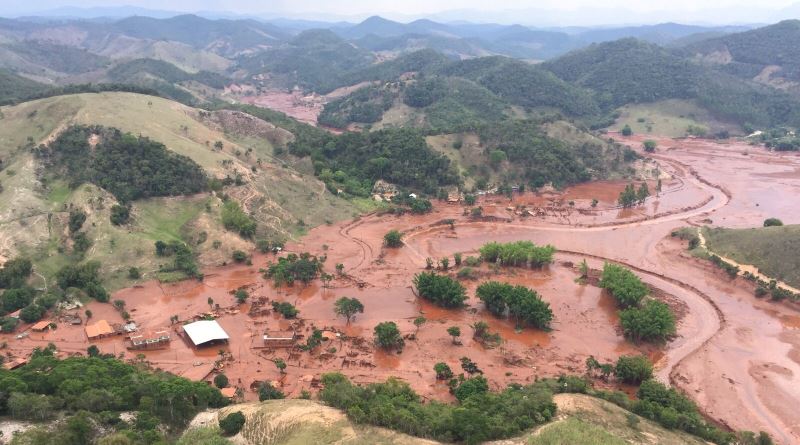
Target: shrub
{"type": "Point", "coordinates": [31, 313]}
{"type": "Point", "coordinates": [286, 309]}
{"type": "Point", "coordinates": [232, 423]}
{"type": "Point", "coordinates": [393, 238]}
{"type": "Point", "coordinates": [523, 304]}
{"type": "Point", "coordinates": [134, 274]}
{"type": "Point", "coordinates": [649, 145]}
{"type": "Point", "coordinates": [221, 381]}
{"type": "Point", "coordinates": [440, 289]}
{"type": "Point", "coordinates": [304, 268]}
{"type": "Point", "coordinates": [234, 218]}
{"type": "Point", "coordinates": [633, 369]}
{"type": "Point", "coordinates": [443, 372]}
{"type": "Point", "coordinates": [120, 214]}
{"type": "Point", "coordinates": [268, 392]}
{"type": "Point", "coordinates": [239, 256]}
{"type": "Point", "coordinates": [772, 222]}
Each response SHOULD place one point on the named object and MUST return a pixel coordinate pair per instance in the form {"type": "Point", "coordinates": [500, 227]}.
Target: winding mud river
{"type": "Point", "coordinates": [738, 357]}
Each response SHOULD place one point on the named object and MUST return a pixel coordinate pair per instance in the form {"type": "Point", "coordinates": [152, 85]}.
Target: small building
{"type": "Point", "coordinates": [15, 363]}
{"type": "Point", "coordinates": [279, 339]}
{"type": "Point", "coordinates": [228, 392]}
{"type": "Point", "coordinates": [149, 340]}
{"type": "Point", "coordinates": [14, 314]}
{"type": "Point", "coordinates": [205, 333]}
{"type": "Point", "coordinates": [41, 326]}
{"type": "Point", "coordinates": [99, 330]}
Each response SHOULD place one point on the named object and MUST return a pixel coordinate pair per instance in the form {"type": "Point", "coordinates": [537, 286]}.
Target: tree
{"type": "Point", "coordinates": [626, 130]}
{"type": "Point", "coordinates": [772, 222]}
{"type": "Point", "coordinates": [443, 372]}
{"type": "Point", "coordinates": [387, 336]}
{"type": "Point", "coordinates": [642, 193]}
{"type": "Point", "coordinates": [88, 314]}
{"type": "Point", "coordinates": [469, 366]}
{"type": "Point", "coordinates": [285, 308]}
{"type": "Point", "coordinates": [633, 369]}
{"type": "Point", "coordinates": [8, 324]}
{"type": "Point", "coordinates": [455, 332]}
{"type": "Point", "coordinates": [649, 145]}
{"type": "Point", "coordinates": [340, 269]}
{"type": "Point", "coordinates": [210, 302]}
{"type": "Point", "coordinates": [523, 304]}
{"type": "Point", "coordinates": [469, 199]}
{"type": "Point", "coordinates": [628, 197]}
{"type": "Point", "coordinates": [221, 381]}
{"type": "Point", "coordinates": [76, 219]}
{"type": "Point", "coordinates": [470, 387]}
{"type": "Point", "coordinates": [393, 238]}
{"type": "Point", "coordinates": [31, 313]}
{"type": "Point", "coordinates": [93, 351]}
{"type": "Point", "coordinates": [241, 295]}
{"type": "Point", "coordinates": [419, 321]}
{"type": "Point", "coordinates": [232, 423]}
{"type": "Point", "coordinates": [280, 364]}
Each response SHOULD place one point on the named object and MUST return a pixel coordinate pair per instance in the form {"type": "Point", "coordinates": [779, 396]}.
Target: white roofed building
{"type": "Point", "coordinates": [205, 332]}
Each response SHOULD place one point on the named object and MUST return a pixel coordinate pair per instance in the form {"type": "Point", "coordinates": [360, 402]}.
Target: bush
{"type": "Point", "coordinates": [387, 336]}
{"type": "Point", "coordinates": [134, 274]}
{"type": "Point", "coordinates": [633, 369]}
{"type": "Point", "coordinates": [304, 268]}
{"type": "Point", "coordinates": [232, 423]}
{"type": "Point", "coordinates": [649, 145]}
{"type": "Point", "coordinates": [221, 381]}
{"type": "Point", "coordinates": [239, 256]}
{"type": "Point", "coordinates": [31, 313]}
{"type": "Point", "coordinates": [393, 238]}
{"type": "Point", "coordinates": [286, 309]}
{"type": "Point", "coordinates": [443, 372]}
{"type": "Point", "coordinates": [120, 214]}
{"type": "Point", "coordinates": [652, 322]}
{"type": "Point", "coordinates": [420, 206]}
{"type": "Point", "coordinates": [623, 285]}
{"type": "Point", "coordinates": [268, 392]}
{"type": "Point", "coordinates": [440, 289]}
{"type": "Point", "coordinates": [772, 222]}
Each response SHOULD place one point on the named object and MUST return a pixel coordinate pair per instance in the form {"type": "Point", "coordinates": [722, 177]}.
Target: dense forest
{"type": "Point", "coordinates": [14, 87]}
{"type": "Point", "coordinates": [352, 162]}
{"type": "Point", "coordinates": [128, 166]}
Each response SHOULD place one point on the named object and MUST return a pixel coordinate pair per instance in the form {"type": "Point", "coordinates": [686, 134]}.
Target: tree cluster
{"type": "Point", "coordinates": [440, 289]}
{"type": "Point", "coordinates": [517, 254]}
{"type": "Point", "coordinates": [524, 305]}
{"type": "Point", "coordinates": [304, 268]}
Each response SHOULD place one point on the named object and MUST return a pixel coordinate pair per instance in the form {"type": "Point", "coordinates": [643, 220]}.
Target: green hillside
{"type": "Point", "coordinates": [34, 211]}
{"type": "Point", "coordinates": [773, 250]}
{"type": "Point", "coordinates": [631, 71]}
{"type": "Point", "coordinates": [13, 86]}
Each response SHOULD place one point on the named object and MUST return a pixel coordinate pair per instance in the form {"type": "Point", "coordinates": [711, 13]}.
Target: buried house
{"type": "Point", "coordinates": [205, 333]}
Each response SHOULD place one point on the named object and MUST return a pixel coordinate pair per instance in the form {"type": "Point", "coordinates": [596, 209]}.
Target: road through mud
{"type": "Point", "coordinates": [738, 357]}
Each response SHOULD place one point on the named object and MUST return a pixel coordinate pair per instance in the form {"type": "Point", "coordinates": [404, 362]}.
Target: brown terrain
{"type": "Point", "coordinates": [736, 356]}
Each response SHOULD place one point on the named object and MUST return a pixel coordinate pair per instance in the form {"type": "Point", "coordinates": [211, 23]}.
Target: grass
{"type": "Point", "coordinates": [574, 431]}
{"type": "Point", "coordinates": [668, 118]}
{"type": "Point", "coordinates": [773, 250]}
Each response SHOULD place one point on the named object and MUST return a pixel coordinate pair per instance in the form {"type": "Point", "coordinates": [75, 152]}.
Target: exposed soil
{"type": "Point", "coordinates": [736, 356]}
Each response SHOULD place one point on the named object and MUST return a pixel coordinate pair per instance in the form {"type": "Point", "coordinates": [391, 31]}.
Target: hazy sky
{"type": "Point", "coordinates": [566, 11]}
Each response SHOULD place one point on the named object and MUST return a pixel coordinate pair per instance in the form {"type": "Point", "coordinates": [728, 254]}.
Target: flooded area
{"type": "Point", "coordinates": [736, 356]}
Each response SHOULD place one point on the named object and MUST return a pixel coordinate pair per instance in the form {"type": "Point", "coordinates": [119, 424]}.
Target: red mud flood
{"type": "Point", "coordinates": [737, 357]}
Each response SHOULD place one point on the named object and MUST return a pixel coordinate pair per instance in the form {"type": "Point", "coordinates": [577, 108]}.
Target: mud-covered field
{"type": "Point", "coordinates": [736, 356]}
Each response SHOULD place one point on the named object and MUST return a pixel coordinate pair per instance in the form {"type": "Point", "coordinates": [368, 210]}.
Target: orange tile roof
{"type": "Point", "coordinates": [99, 329]}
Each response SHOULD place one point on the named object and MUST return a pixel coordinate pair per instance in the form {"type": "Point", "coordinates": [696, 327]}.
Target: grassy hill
{"type": "Point", "coordinates": [582, 420]}
{"type": "Point", "coordinates": [773, 250]}
{"type": "Point", "coordinates": [33, 214]}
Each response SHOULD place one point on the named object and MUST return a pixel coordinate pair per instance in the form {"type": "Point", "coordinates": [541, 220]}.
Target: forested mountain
{"type": "Point", "coordinates": [770, 54]}
{"type": "Point", "coordinates": [632, 71]}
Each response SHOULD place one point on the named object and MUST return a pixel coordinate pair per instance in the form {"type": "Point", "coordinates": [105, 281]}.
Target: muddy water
{"type": "Point", "coordinates": [738, 357]}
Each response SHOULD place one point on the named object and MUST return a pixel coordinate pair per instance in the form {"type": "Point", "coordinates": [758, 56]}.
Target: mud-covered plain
{"type": "Point", "coordinates": [736, 356]}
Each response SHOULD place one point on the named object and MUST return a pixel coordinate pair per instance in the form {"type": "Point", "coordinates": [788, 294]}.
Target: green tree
{"type": "Point", "coordinates": [440, 289]}
{"type": "Point", "coordinates": [232, 423]}
{"type": "Point", "coordinates": [443, 372]}
{"type": "Point", "coordinates": [454, 332]}
{"type": "Point", "coordinates": [642, 193]}
{"type": "Point", "coordinates": [241, 295]}
{"type": "Point", "coordinates": [280, 364]}
{"type": "Point", "coordinates": [387, 336]}
{"type": "Point", "coordinates": [654, 321]}
{"type": "Point", "coordinates": [393, 238]}
{"type": "Point", "coordinates": [626, 130]}
{"type": "Point", "coordinates": [221, 381]}
{"type": "Point", "coordinates": [120, 214]}
{"type": "Point", "coordinates": [268, 392]}
{"type": "Point", "coordinates": [134, 274]}
{"type": "Point", "coordinates": [772, 222]}
{"type": "Point", "coordinates": [649, 145]}
{"type": "Point", "coordinates": [633, 369]}
{"type": "Point", "coordinates": [626, 288]}
{"type": "Point", "coordinates": [76, 219]}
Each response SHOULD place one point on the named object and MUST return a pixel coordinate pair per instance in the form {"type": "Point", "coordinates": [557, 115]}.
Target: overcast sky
{"type": "Point", "coordinates": [564, 12]}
